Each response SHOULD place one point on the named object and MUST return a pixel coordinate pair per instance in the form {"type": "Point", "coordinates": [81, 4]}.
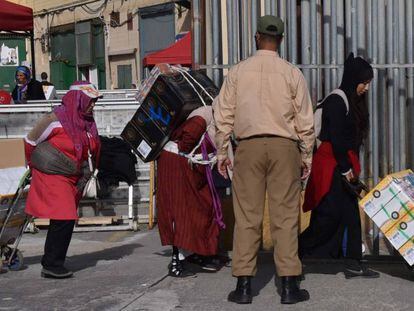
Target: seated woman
{"type": "Point", "coordinates": [187, 216]}
{"type": "Point", "coordinates": [26, 88]}
{"type": "Point", "coordinates": [335, 208]}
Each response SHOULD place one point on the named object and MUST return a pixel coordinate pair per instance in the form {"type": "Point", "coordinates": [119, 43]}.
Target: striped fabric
{"type": "Point", "coordinates": [184, 202]}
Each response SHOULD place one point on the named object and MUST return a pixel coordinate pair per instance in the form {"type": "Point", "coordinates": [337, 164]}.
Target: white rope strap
{"type": "Point", "coordinates": [194, 159]}
{"type": "Point", "coordinates": [192, 85]}
{"type": "Point", "coordinates": [172, 147]}
{"type": "Point", "coordinates": [185, 73]}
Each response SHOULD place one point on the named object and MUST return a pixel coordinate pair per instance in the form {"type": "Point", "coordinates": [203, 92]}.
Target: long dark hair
{"type": "Point", "coordinates": [356, 71]}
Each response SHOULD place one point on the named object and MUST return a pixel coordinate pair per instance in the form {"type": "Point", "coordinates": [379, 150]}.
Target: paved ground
{"type": "Point", "coordinates": [127, 271]}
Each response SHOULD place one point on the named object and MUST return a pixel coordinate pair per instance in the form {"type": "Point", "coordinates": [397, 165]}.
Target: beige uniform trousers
{"type": "Point", "coordinates": [269, 164]}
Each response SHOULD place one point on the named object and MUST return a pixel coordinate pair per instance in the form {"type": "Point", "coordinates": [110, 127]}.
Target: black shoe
{"type": "Point", "coordinates": [56, 273]}
{"type": "Point", "coordinates": [205, 263]}
{"type": "Point", "coordinates": [291, 293]}
{"type": "Point", "coordinates": [361, 272]}
{"type": "Point", "coordinates": [177, 270]}
{"type": "Point", "coordinates": [243, 292]}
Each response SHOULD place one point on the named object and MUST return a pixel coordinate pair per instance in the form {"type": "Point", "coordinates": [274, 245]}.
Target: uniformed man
{"type": "Point", "coordinates": [265, 102]}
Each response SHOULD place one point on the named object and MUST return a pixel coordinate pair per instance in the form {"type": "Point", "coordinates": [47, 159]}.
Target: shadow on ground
{"type": "Point", "coordinates": [398, 270]}
{"type": "Point", "coordinates": [325, 267]}
{"type": "Point", "coordinates": [263, 275]}
{"type": "Point", "coordinates": [392, 268]}
{"type": "Point", "coordinates": [165, 252]}
{"type": "Point", "coordinates": [87, 260]}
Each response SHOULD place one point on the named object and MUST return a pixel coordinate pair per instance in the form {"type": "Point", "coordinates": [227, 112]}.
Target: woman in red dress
{"type": "Point", "coordinates": [70, 129]}
{"type": "Point", "coordinates": [187, 218]}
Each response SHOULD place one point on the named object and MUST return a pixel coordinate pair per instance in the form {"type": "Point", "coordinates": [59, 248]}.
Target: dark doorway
{"type": "Point", "coordinates": [124, 76]}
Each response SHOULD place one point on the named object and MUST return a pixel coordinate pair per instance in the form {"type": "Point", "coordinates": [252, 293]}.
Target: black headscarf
{"type": "Point", "coordinates": [356, 71]}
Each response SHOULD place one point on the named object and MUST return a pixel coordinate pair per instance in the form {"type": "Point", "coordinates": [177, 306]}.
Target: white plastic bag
{"type": "Point", "coordinates": [91, 187]}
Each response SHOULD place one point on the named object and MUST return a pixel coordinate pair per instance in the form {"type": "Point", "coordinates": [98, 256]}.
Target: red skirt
{"type": "Point", "coordinates": [320, 180]}
{"type": "Point", "coordinates": [185, 211]}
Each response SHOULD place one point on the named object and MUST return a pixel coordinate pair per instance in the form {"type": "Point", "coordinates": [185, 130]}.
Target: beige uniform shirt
{"type": "Point", "coordinates": [264, 95]}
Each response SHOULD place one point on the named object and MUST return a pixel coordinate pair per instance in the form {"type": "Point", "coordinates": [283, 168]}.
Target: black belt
{"type": "Point", "coordinates": [258, 136]}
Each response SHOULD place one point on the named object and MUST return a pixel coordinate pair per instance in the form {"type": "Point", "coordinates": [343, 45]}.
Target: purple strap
{"type": "Point", "coordinates": [213, 190]}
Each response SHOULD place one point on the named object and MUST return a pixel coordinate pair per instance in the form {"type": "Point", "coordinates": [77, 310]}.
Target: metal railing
{"type": "Point", "coordinates": [111, 116]}
{"type": "Point", "coordinates": [107, 94]}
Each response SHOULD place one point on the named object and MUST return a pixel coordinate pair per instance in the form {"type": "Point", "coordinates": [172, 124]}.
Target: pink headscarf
{"type": "Point", "coordinates": [74, 119]}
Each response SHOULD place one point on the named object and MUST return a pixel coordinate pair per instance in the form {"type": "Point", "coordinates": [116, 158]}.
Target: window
{"type": "Point", "coordinates": [114, 19]}
{"type": "Point", "coordinates": [124, 76]}
{"type": "Point", "coordinates": [84, 48]}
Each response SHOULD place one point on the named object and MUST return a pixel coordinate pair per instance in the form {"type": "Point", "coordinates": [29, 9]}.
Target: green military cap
{"type": "Point", "coordinates": [270, 25]}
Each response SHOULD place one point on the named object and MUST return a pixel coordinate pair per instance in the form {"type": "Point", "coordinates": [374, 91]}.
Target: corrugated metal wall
{"type": "Point", "coordinates": [319, 34]}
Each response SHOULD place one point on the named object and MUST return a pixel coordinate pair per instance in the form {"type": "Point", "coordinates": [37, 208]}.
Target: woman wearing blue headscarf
{"type": "Point", "coordinates": [26, 88]}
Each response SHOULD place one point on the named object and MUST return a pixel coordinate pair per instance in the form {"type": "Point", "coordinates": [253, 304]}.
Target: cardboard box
{"type": "Point", "coordinates": [402, 232]}
{"type": "Point", "coordinates": [10, 179]}
{"type": "Point", "coordinates": [389, 201]}
{"type": "Point", "coordinates": [390, 205]}
{"type": "Point", "coordinates": [407, 251]}
{"type": "Point", "coordinates": [382, 193]}
{"type": "Point", "coordinates": [12, 168]}
{"type": "Point", "coordinates": [393, 211]}
{"type": "Point", "coordinates": [12, 153]}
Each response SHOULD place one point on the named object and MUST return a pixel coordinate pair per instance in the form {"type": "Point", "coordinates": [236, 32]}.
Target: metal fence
{"type": "Point", "coordinates": [111, 115]}
{"type": "Point", "coordinates": [108, 94]}
{"type": "Point", "coordinates": [319, 34]}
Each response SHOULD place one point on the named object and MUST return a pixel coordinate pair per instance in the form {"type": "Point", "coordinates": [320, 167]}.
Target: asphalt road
{"type": "Point", "coordinates": [128, 271]}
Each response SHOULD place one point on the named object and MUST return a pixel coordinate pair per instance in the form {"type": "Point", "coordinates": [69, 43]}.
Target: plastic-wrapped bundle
{"type": "Point", "coordinates": [166, 101]}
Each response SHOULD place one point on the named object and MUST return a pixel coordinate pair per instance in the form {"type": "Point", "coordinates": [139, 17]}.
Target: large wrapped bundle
{"type": "Point", "coordinates": [390, 205]}
{"type": "Point", "coordinates": [166, 100]}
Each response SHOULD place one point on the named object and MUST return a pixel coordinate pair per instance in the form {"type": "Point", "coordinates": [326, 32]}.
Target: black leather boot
{"type": "Point", "coordinates": [291, 293]}
{"type": "Point", "coordinates": [243, 292]}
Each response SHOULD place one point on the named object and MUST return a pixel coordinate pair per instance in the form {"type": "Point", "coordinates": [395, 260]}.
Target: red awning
{"type": "Point", "coordinates": [177, 53]}
{"type": "Point", "coordinates": [15, 17]}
